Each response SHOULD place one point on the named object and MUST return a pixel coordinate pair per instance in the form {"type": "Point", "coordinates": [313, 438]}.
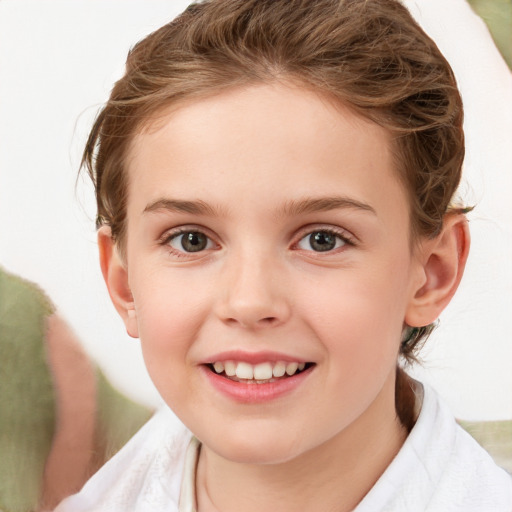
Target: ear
{"type": "Point", "coordinates": [443, 260]}
{"type": "Point", "coordinates": [115, 275]}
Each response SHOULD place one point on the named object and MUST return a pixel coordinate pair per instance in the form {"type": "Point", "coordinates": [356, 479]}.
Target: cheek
{"type": "Point", "coordinates": [360, 342]}
{"type": "Point", "coordinates": [170, 311]}
{"type": "Point", "coordinates": [167, 300]}
{"type": "Point", "coordinates": [358, 316]}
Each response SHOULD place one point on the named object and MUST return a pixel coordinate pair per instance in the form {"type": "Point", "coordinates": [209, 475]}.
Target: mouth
{"type": "Point", "coordinates": [261, 373]}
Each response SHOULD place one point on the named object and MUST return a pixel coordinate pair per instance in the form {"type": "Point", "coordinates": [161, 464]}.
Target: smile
{"type": "Point", "coordinates": [240, 371]}
{"type": "Point", "coordinates": [257, 377]}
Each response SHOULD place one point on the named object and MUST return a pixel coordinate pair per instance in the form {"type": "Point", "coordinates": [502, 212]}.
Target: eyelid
{"type": "Point", "coordinates": [184, 228]}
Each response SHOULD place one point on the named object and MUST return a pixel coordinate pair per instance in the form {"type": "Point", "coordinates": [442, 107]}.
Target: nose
{"type": "Point", "coordinates": [254, 295]}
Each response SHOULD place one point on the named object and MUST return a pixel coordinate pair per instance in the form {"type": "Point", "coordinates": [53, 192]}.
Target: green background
{"type": "Point", "coordinates": [498, 16]}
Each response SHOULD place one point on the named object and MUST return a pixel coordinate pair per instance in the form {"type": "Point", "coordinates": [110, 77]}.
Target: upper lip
{"type": "Point", "coordinates": [253, 357]}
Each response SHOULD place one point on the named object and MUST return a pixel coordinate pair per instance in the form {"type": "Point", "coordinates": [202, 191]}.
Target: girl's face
{"type": "Point", "coordinates": [267, 232]}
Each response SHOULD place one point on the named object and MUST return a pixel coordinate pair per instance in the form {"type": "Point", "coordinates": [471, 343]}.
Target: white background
{"type": "Point", "coordinates": [58, 61]}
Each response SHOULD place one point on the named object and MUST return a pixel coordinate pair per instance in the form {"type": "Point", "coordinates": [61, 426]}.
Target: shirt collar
{"type": "Point", "coordinates": [188, 483]}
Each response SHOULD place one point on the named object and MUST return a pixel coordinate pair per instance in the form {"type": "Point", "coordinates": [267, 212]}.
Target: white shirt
{"type": "Point", "coordinates": [440, 468]}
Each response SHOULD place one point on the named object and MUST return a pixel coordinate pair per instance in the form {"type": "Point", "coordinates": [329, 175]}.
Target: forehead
{"type": "Point", "coordinates": [275, 141]}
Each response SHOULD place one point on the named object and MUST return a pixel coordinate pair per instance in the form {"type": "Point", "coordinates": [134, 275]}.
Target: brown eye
{"type": "Point", "coordinates": [190, 241]}
{"type": "Point", "coordinates": [321, 241]}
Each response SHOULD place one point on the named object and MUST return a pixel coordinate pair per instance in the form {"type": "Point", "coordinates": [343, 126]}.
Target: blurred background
{"type": "Point", "coordinates": [497, 14]}
{"type": "Point", "coordinates": [58, 61]}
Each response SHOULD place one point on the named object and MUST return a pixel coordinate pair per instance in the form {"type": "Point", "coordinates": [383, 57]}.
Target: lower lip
{"type": "Point", "coordinates": [255, 393]}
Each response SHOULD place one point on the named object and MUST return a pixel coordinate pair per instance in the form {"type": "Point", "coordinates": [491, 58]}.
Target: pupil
{"type": "Point", "coordinates": [193, 242]}
{"type": "Point", "coordinates": [322, 241]}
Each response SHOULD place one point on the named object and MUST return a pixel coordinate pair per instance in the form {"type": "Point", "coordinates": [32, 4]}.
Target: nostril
{"type": "Point", "coordinates": [249, 323]}
{"type": "Point", "coordinates": [268, 321]}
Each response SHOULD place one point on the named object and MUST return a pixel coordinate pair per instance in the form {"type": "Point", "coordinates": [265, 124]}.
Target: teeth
{"type": "Point", "coordinates": [260, 372]}
{"type": "Point", "coordinates": [291, 368]}
{"type": "Point", "coordinates": [263, 371]}
{"type": "Point", "coordinates": [244, 371]}
{"type": "Point", "coordinates": [279, 369]}
{"type": "Point", "coordinates": [230, 368]}
{"type": "Point", "coordinates": [218, 367]}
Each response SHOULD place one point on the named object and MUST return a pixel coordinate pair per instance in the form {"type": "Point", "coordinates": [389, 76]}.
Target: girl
{"type": "Point", "coordinates": [275, 185]}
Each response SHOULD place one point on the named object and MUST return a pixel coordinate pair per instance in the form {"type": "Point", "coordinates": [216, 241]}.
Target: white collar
{"type": "Point", "coordinates": [188, 483]}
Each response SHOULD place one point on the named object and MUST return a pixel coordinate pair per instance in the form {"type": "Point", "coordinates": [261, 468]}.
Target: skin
{"type": "Point", "coordinates": [259, 158]}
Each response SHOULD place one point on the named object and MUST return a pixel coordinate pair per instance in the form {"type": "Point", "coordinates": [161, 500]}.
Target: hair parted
{"type": "Point", "coordinates": [369, 55]}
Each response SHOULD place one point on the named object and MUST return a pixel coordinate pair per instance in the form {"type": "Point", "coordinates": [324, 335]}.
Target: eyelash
{"type": "Point", "coordinates": [346, 238]}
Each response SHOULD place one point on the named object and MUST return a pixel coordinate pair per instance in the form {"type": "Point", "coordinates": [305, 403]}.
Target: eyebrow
{"type": "Point", "coordinates": [291, 208]}
{"type": "Point", "coordinates": [179, 206]}
{"type": "Point", "coordinates": [322, 204]}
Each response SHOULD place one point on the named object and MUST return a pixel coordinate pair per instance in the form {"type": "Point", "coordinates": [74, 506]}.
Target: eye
{"type": "Point", "coordinates": [321, 241]}
{"type": "Point", "coordinates": [190, 241]}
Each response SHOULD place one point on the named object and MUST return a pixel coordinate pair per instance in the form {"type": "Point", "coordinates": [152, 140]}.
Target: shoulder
{"type": "Point", "coordinates": [470, 479]}
{"type": "Point", "coordinates": [144, 476]}
{"type": "Point", "coordinates": [440, 468]}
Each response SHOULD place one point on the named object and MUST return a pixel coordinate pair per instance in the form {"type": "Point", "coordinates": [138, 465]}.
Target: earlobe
{"type": "Point", "coordinates": [115, 275]}
{"type": "Point", "coordinates": [443, 262]}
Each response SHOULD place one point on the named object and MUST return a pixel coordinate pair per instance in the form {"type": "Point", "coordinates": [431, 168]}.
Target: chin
{"type": "Point", "coordinates": [254, 448]}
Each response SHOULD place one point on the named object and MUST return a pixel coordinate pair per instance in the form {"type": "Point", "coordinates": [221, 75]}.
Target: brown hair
{"type": "Point", "coordinates": [368, 54]}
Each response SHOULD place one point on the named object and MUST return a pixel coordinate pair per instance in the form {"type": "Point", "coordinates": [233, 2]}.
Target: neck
{"type": "Point", "coordinates": [334, 476]}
